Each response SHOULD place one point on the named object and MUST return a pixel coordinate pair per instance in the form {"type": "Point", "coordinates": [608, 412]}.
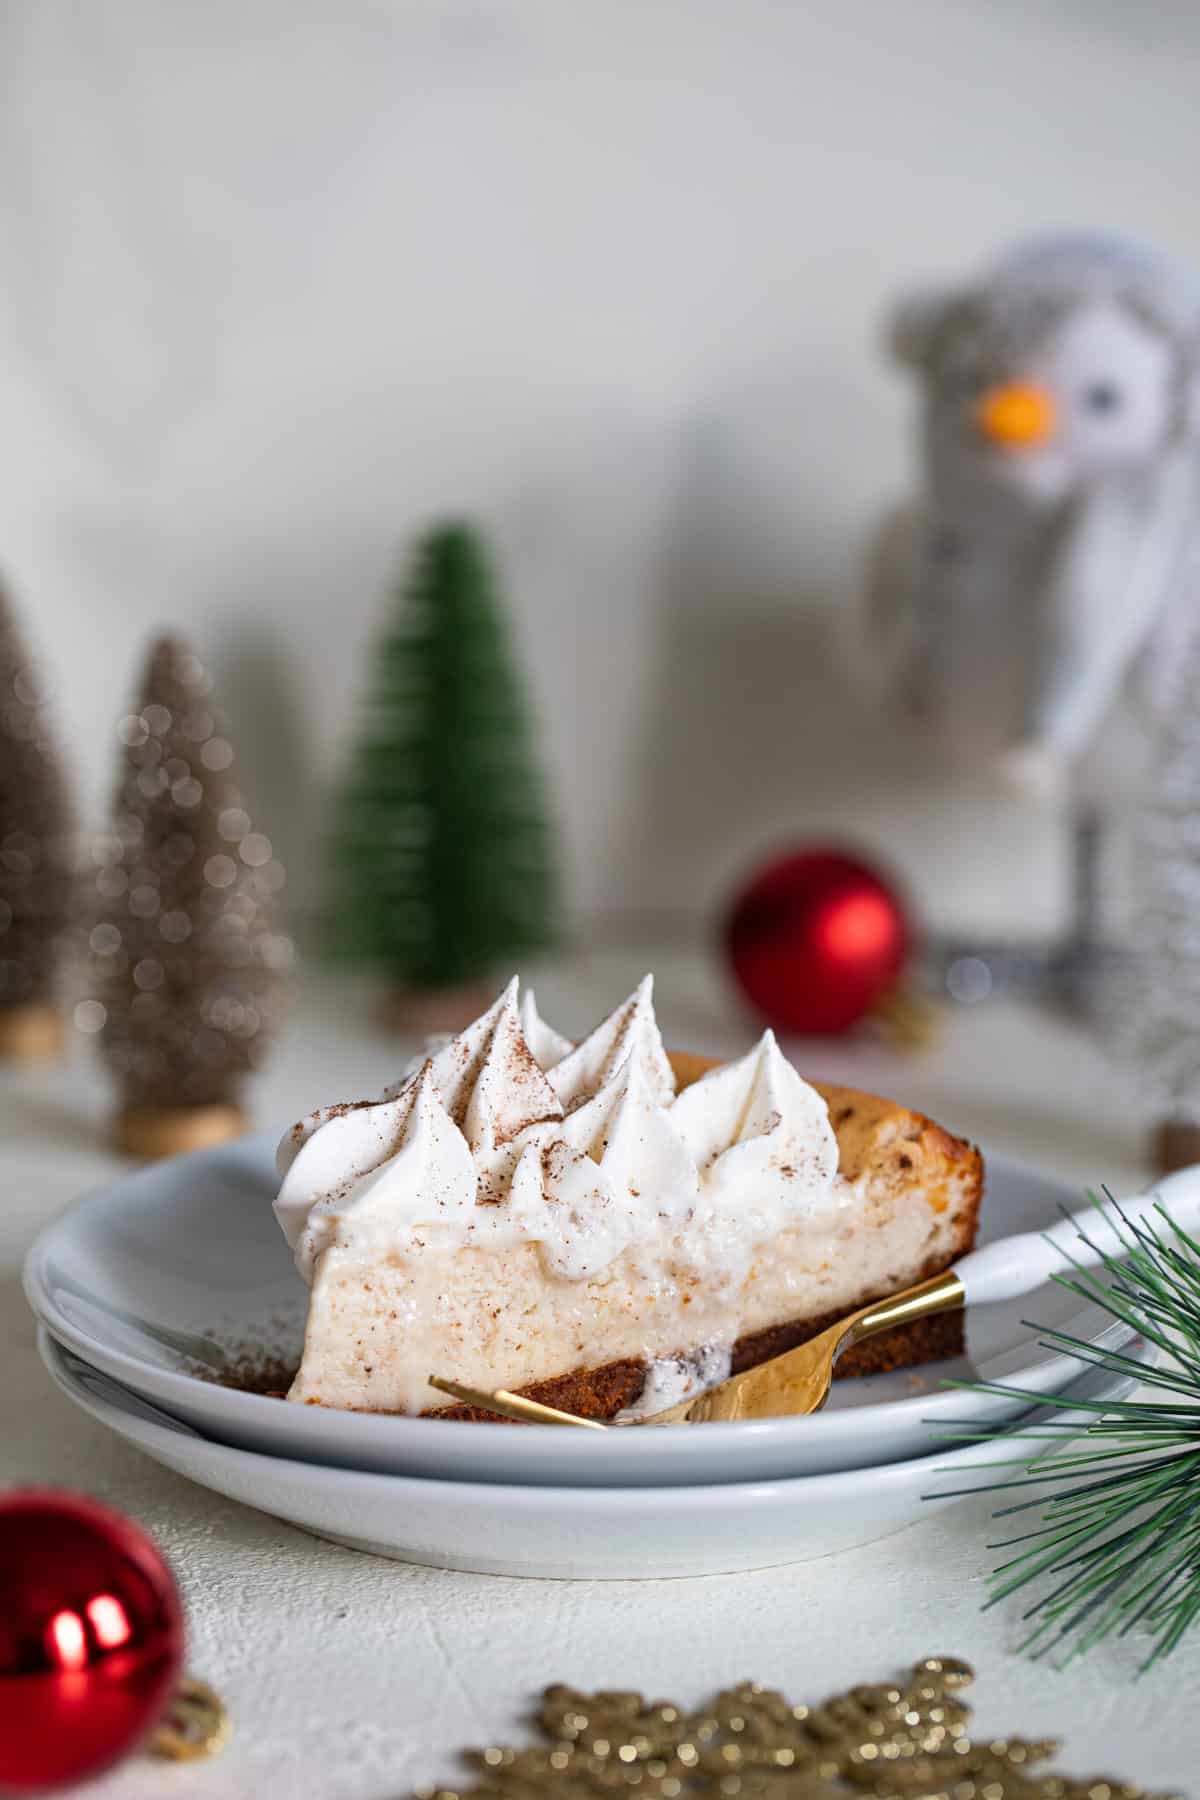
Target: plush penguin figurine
{"type": "Point", "coordinates": [1047, 557]}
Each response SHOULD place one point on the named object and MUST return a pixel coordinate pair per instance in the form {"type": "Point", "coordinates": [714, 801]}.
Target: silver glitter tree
{"type": "Point", "coordinates": [187, 959]}
{"type": "Point", "coordinates": [36, 856]}
{"type": "Point", "coordinates": [1155, 990]}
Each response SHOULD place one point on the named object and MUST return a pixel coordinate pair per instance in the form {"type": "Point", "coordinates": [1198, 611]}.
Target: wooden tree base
{"type": "Point", "coordinates": [1175, 1146]}
{"type": "Point", "coordinates": [31, 1034]}
{"type": "Point", "coordinates": [421, 1013]}
{"type": "Point", "coordinates": [151, 1132]}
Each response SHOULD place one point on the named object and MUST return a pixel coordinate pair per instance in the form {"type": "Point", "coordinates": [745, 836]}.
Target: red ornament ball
{"type": "Point", "coordinates": [91, 1638]}
{"type": "Point", "coordinates": [816, 939]}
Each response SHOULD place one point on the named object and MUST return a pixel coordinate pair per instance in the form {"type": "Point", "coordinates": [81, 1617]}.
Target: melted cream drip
{"type": "Point", "coordinates": [670, 1380]}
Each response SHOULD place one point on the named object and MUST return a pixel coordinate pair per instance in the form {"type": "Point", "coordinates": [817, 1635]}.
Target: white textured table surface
{"type": "Point", "coordinates": [350, 1678]}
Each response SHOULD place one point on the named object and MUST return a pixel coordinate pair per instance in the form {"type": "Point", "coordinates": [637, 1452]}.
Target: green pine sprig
{"type": "Point", "coordinates": [1117, 1547]}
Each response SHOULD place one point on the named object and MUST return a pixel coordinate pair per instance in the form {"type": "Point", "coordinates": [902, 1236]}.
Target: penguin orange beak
{"type": "Point", "coordinates": [1016, 415]}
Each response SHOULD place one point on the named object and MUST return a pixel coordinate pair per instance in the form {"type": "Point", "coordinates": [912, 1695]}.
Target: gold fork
{"type": "Point", "coordinates": [798, 1381]}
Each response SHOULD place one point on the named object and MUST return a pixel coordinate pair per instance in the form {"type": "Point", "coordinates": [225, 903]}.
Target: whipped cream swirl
{"type": "Point", "coordinates": [509, 1134]}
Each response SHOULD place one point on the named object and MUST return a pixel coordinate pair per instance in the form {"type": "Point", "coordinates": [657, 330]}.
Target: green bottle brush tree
{"type": "Point", "coordinates": [1103, 1526]}
{"type": "Point", "coordinates": [445, 859]}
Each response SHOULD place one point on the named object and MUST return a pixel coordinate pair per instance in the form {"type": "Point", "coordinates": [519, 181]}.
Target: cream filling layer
{"type": "Point", "coordinates": [487, 1317]}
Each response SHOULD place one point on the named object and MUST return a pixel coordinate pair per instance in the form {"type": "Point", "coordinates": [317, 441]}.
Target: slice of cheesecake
{"type": "Point", "coordinates": [605, 1227]}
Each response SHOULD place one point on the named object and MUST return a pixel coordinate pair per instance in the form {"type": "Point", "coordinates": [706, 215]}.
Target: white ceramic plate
{"type": "Point", "coordinates": [561, 1533]}
{"type": "Point", "coordinates": [174, 1267]}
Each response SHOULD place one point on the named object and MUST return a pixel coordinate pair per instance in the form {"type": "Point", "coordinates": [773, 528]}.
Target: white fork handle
{"type": "Point", "coordinates": [1017, 1265]}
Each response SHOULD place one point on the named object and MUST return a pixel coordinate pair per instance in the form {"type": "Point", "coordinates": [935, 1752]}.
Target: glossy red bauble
{"type": "Point", "coordinates": [816, 939]}
{"type": "Point", "coordinates": [91, 1638]}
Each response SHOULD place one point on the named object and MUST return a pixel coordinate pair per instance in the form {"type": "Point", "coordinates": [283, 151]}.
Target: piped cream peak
{"type": "Point", "coordinates": [759, 1133]}
{"type": "Point", "coordinates": [494, 1089]}
{"type": "Point", "coordinates": [548, 1046]}
{"type": "Point", "coordinates": [592, 1157]}
{"type": "Point", "coordinates": [632, 1030]}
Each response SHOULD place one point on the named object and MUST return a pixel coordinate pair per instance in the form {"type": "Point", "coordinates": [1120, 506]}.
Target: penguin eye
{"type": "Point", "coordinates": [1102, 397]}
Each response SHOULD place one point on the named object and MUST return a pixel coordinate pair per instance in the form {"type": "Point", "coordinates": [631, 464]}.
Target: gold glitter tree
{"type": "Point", "coordinates": [36, 857]}
{"type": "Point", "coordinates": [188, 962]}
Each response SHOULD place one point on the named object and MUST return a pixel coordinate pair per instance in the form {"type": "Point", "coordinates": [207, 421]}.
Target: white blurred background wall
{"type": "Point", "coordinates": [280, 281]}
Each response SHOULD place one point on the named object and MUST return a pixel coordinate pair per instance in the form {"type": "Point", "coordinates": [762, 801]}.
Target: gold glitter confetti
{"type": "Point", "coordinates": [903, 1741]}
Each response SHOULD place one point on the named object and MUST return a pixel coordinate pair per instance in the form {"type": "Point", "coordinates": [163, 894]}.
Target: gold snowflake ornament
{"type": "Point", "coordinates": [907, 1741]}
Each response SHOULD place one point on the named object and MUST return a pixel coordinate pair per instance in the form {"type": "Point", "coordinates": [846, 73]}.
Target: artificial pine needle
{"type": "Point", "coordinates": [1119, 1535]}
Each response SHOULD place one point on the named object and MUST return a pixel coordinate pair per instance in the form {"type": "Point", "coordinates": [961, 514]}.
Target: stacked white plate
{"type": "Point", "coordinates": [148, 1290]}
